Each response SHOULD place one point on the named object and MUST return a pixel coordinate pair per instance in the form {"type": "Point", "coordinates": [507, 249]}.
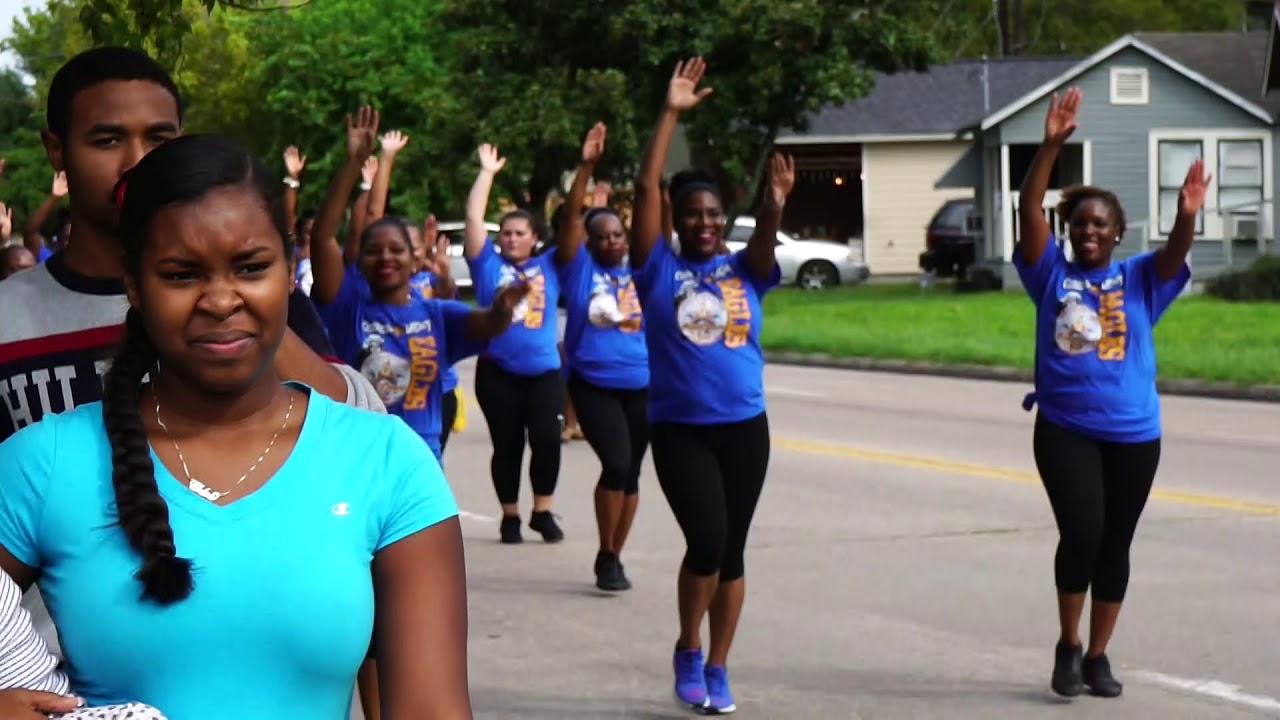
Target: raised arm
{"type": "Point", "coordinates": [646, 219]}
{"type": "Point", "coordinates": [360, 211]}
{"type": "Point", "coordinates": [32, 239]}
{"type": "Point", "coordinates": [1059, 123]}
{"type": "Point", "coordinates": [1173, 256]}
{"type": "Point", "coordinates": [392, 143]}
{"type": "Point", "coordinates": [571, 232]}
{"type": "Point", "coordinates": [762, 247]}
{"type": "Point", "coordinates": [478, 201]}
{"type": "Point", "coordinates": [437, 247]}
{"type": "Point", "coordinates": [487, 323]}
{"type": "Point", "coordinates": [326, 257]}
{"type": "Point", "coordinates": [294, 163]}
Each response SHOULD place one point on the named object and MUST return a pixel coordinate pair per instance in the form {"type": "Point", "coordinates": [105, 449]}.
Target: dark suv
{"type": "Point", "coordinates": [951, 240]}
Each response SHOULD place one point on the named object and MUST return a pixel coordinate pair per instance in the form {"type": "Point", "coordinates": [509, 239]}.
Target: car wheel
{"type": "Point", "coordinates": [817, 275]}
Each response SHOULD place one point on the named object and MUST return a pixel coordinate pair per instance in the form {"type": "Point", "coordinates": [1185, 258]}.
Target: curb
{"type": "Point", "coordinates": [1188, 388]}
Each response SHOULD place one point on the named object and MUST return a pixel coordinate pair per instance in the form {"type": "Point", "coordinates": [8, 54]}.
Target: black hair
{"type": "Point", "coordinates": [598, 212]}
{"type": "Point", "coordinates": [391, 221]}
{"type": "Point", "coordinates": [94, 67]}
{"type": "Point", "coordinates": [7, 251]}
{"type": "Point", "coordinates": [685, 183]}
{"type": "Point", "coordinates": [178, 172]}
{"type": "Point", "coordinates": [1075, 196]}
{"type": "Point", "coordinates": [304, 216]}
{"type": "Point", "coordinates": [539, 232]}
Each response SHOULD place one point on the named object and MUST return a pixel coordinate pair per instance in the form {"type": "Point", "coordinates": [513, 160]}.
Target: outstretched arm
{"type": "Point", "coordinates": [326, 256]}
{"type": "Point", "coordinates": [1171, 258]}
{"type": "Point", "coordinates": [762, 247]}
{"type": "Point", "coordinates": [647, 217]}
{"type": "Point", "coordinates": [478, 201]}
{"type": "Point", "coordinates": [572, 231]}
{"type": "Point", "coordinates": [1033, 229]}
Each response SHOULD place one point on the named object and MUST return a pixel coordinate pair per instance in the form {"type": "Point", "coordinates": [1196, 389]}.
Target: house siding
{"type": "Point", "coordinates": [1120, 136]}
{"type": "Point", "coordinates": [901, 198]}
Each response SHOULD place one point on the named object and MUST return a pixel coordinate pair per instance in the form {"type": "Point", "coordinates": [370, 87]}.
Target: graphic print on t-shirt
{"type": "Point", "coordinates": [397, 378]}
{"type": "Point", "coordinates": [1091, 318]}
{"type": "Point", "coordinates": [532, 309]}
{"type": "Point", "coordinates": [614, 303]}
{"type": "Point", "coordinates": [711, 309]}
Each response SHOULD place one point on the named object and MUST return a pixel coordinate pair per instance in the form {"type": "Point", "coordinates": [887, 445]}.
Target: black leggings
{"type": "Point", "coordinates": [513, 404]}
{"type": "Point", "coordinates": [712, 476]}
{"type": "Point", "coordinates": [1097, 490]}
{"type": "Point", "coordinates": [616, 425]}
{"type": "Point", "coordinates": [448, 415]}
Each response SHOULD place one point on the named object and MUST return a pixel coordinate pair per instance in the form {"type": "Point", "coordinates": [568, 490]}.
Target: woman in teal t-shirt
{"type": "Point", "coordinates": [213, 542]}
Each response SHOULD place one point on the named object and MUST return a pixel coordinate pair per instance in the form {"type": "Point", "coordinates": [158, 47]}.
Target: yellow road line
{"type": "Point", "coordinates": [1021, 477]}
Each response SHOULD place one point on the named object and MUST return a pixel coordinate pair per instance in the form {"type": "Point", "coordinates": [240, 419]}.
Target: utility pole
{"type": "Point", "coordinates": [1020, 27]}
{"type": "Point", "coordinates": [1002, 26]}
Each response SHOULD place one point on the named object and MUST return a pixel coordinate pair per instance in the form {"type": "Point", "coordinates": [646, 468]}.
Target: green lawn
{"type": "Point", "coordinates": [1199, 337]}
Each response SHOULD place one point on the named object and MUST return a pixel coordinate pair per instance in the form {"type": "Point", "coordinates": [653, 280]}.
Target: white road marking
{"type": "Point", "coordinates": [1212, 688]}
{"type": "Point", "coordinates": [476, 516]}
{"type": "Point", "coordinates": [794, 393]}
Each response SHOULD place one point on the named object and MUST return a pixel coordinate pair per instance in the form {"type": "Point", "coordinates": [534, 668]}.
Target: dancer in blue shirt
{"type": "Point", "coordinates": [1097, 433]}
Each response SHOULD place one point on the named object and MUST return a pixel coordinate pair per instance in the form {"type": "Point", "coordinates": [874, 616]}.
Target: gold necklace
{"type": "Point", "coordinates": [200, 488]}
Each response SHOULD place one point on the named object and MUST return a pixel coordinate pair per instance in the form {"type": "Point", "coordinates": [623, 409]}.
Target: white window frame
{"type": "Point", "coordinates": [1144, 73]}
{"type": "Point", "coordinates": [1214, 224]}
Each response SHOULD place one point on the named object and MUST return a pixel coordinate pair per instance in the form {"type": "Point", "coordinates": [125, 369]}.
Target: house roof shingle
{"type": "Point", "coordinates": [1234, 60]}
{"type": "Point", "coordinates": [941, 100]}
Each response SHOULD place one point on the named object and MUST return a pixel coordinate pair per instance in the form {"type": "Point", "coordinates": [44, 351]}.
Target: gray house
{"type": "Point", "coordinates": [1153, 103]}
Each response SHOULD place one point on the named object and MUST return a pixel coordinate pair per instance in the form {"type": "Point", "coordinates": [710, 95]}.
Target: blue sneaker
{"type": "Point", "coordinates": [719, 697]}
{"type": "Point", "coordinates": [691, 684]}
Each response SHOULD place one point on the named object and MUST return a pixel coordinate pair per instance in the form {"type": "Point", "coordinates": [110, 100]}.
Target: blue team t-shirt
{"type": "Point", "coordinates": [604, 331]}
{"type": "Point", "coordinates": [282, 612]}
{"type": "Point", "coordinates": [530, 346]}
{"type": "Point", "coordinates": [1095, 349]}
{"type": "Point", "coordinates": [400, 349]}
{"type": "Point", "coordinates": [424, 283]}
{"type": "Point", "coordinates": [702, 328]}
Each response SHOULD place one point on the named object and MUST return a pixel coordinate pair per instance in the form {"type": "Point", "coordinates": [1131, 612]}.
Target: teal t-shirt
{"type": "Point", "coordinates": [282, 612]}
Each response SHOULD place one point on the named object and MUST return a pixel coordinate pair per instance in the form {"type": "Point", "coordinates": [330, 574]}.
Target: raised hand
{"type": "Point", "coordinates": [489, 160]}
{"type": "Point", "coordinates": [294, 162]}
{"type": "Point", "coordinates": [1060, 121]}
{"type": "Point", "coordinates": [683, 92]}
{"type": "Point", "coordinates": [6, 222]}
{"type": "Point", "coordinates": [593, 146]}
{"type": "Point", "coordinates": [504, 305]}
{"type": "Point", "coordinates": [369, 170]}
{"type": "Point", "coordinates": [1194, 189]}
{"type": "Point", "coordinates": [59, 189]}
{"type": "Point", "coordinates": [393, 142]}
{"type": "Point", "coordinates": [362, 133]}
{"type": "Point", "coordinates": [782, 177]}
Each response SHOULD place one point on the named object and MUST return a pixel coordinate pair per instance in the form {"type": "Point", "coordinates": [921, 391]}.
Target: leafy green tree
{"type": "Point", "coordinates": [532, 77]}
{"type": "Point", "coordinates": [27, 178]}
{"type": "Point", "coordinates": [315, 64]}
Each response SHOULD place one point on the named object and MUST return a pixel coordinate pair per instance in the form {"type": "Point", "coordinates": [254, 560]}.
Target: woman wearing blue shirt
{"type": "Point", "coordinates": [214, 542]}
{"type": "Point", "coordinates": [706, 394]}
{"type": "Point", "coordinates": [434, 280]}
{"type": "Point", "coordinates": [518, 383]}
{"type": "Point", "coordinates": [608, 362]}
{"type": "Point", "coordinates": [398, 340]}
{"type": "Point", "coordinates": [1097, 433]}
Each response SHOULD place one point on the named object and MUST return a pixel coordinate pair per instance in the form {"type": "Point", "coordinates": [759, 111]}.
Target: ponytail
{"type": "Point", "coordinates": [142, 513]}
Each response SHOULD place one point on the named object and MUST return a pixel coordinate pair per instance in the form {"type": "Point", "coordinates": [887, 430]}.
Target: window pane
{"type": "Point", "coordinates": [1239, 200]}
{"type": "Point", "coordinates": [1169, 211]}
{"type": "Point", "coordinates": [1240, 162]}
{"type": "Point", "coordinates": [1175, 159]}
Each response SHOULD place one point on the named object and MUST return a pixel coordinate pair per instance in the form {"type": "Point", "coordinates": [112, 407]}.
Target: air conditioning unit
{"type": "Point", "coordinates": [1244, 227]}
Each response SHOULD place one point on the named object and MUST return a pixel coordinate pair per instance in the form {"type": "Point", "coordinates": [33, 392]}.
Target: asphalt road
{"type": "Point", "coordinates": [900, 566]}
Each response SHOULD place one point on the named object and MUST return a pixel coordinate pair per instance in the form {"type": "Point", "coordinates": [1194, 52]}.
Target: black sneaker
{"type": "Point", "coordinates": [609, 574]}
{"type": "Point", "coordinates": [543, 522]}
{"type": "Point", "coordinates": [511, 530]}
{"type": "Point", "coordinates": [1068, 680]}
{"type": "Point", "coordinates": [1097, 675]}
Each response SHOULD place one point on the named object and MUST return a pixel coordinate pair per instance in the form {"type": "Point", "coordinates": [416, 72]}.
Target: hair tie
{"type": "Point", "coordinates": [120, 188]}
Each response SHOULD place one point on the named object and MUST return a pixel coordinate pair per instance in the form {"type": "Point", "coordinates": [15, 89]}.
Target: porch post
{"type": "Point", "coordinates": [1006, 201]}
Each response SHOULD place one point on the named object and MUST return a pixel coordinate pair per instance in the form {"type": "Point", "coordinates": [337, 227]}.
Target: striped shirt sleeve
{"type": "Point", "coordinates": [25, 660]}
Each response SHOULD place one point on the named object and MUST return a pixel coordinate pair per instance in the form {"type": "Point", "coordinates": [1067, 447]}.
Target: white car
{"type": "Point", "coordinates": [457, 260]}
{"type": "Point", "coordinates": [810, 264]}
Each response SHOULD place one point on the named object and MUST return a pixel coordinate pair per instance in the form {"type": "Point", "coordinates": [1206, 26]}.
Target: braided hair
{"type": "Point", "coordinates": [180, 171]}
